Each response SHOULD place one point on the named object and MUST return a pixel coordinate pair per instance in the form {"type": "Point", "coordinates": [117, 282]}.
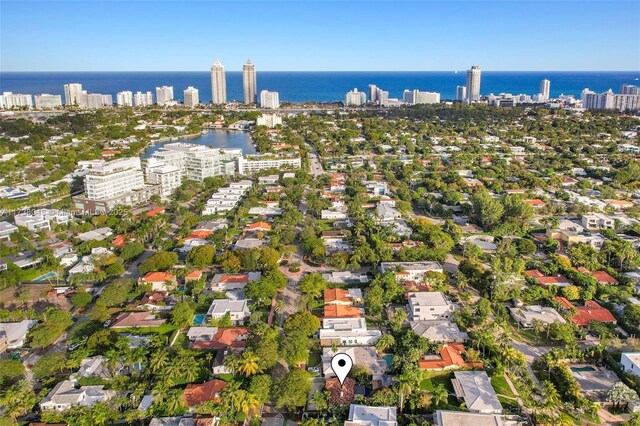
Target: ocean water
{"type": "Point", "coordinates": [317, 86]}
{"type": "Point", "coordinates": [213, 138]}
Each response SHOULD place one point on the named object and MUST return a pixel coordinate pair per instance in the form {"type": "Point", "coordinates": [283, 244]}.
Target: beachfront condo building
{"type": "Point", "coordinates": [355, 98]}
{"type": "Point", "coordinates": [164, 95]}
{"type": "Point", "coordinates": [473, 84]}
{"type": "Point", "coordinates": [269, 99]}
{"type": "Point", "coordinates": [191, 97]}
{"type": "Point", "coordinates": [46, 101]}
{"type": "Point", "coordinates": [124, 98]}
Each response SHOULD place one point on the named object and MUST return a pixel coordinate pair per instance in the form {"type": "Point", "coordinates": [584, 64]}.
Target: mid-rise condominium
{"type": "Point", "coordinates": [414, 97]}
{"type": "Point", "coordinates": [118, 182]}
{"type": "Point", "coordinates": [191, 97]}
{"type": "Point", "coordinates": [46, 101]}
{"type": "Point", "coordinates": [269, 120]}
{"type": "Point", "coordinates": [168, 177]}
{"type": "Point", "coordinates": [473, 84]}
{"type": "Point", "coordinates": [218, 83]}
{"type": "Point", "coordinates": [373, 93]}
{"type": "Point", "coordinates": [255, 163]}
{"type": "Point", "coordinates": [15, 100]}
{"type": "Point", "coordinates": [197, 162]}
{"type": "Point", "coordinates": [164, 95]}
{"type": "Point", "coordinates": [610, 100]}
{"type": "Point", "coordinates": [461, 93]}
{"type": "Point", "coordinates": [269, 99]}
{"type": "Point", "coordinates": [249, 83]}
{"type": "Point", "coordinates": [124, 98]}
{"type": "Point", "coordinates": [72, 92]}
{"type": "Point", "coordinates": [545, 88]}
{"type": "Point", "coordinates": [143, 99]}
{"type": "Point", "coordinates": [93, 100]}
{"type": "Point", "coordinates": [355, 98]}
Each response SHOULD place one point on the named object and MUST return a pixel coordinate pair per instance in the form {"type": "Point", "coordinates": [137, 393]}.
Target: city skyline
{"type": "Point", "coordinates": [528, 43]}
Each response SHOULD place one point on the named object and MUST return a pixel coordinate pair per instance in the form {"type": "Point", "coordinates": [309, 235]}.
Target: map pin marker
{"type": "Point", "coordinates": [341, 365]}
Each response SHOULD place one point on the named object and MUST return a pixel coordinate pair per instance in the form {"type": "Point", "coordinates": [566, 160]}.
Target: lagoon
{"type": "Point", "coordinates": [214, 138]}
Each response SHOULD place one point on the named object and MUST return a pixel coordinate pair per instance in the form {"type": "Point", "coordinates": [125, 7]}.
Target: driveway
{"type": "Point", "coordinates": [530, 354]}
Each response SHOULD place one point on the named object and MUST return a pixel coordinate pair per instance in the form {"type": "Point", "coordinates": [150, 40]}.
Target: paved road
{"type": "Point", "coordinates": [314, 159]}
{"type": "Point", "coordinates": [132, 270]}
{"type": "Point", "coordinates": [530, 354]}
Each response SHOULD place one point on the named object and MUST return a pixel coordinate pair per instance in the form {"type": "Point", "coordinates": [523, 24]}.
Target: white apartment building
{"type": "Point", "coordinates": [168, 177]}
{"type": "Point", "coordinates": [414, 97]}
{"type": "Point", "coordinates": [72, 92]}
{"type": "Point", "coordinates": [545, 88]}
{"type": "Point", "coordinates": [428, 305]}
{"type": "Point", "coordinates": [225, 199]}
{"type": "Point", "coordinates": [461, 93]}
{"type": "Point", "coordinates": [269, 120]}
{"type": "Point", "coordinates": [191, 97]}
{"type": "Point", "coordinates": [255, 163]}
{"type": "Point", "coordinates": [610, 100]}
{"type": "Point", "coordinates": [46, 101]}
{"type": "Point", "coordinates": [197, 162]}
{"type": "Point", "coordinates": [269, 99]}
{"type": "Point", "coordinates": [218, 83]}
{"type": "Point", "coordinates": [142, 99]}
{"type": "Point", "coordinates": [124, 98]}
{"type": "Point", "coordinates": [164, 95]}
{"type": "Point", "coordinates": [631, 363]}
{"type": "Point", "coordinates": [355, 98]}
{"type": "Point", "coordinates": [347, 332]}
{"type": "Point", "coordinates": [109, 184]}
{"type": "Point", "coordinates": [598, 221]}
{"type": "Point", "coordinates": [93, 100]}
{"type": "Point", "coordinates": [10, 100]}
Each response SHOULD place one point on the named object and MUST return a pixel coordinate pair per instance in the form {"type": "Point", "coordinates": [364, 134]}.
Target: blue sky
{"type": "Point", "coordinates": [147, 35]}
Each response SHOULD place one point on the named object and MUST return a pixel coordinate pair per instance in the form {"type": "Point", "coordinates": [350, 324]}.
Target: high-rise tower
{"type": "Point", "coordinates": [473, 84]}
{"type": "Point", "coordinates": [249, 85]}
{"type": "Point", "coordinates": [218, 83]}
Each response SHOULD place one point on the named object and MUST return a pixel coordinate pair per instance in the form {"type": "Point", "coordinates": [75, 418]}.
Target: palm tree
{"type": "Point", "coordinates": [440, 395]}
{"type": "Point", "coordinates": [175, 401]}
{"type": "Point", "coordinates": [159, 392]}
{"type": "Point", "coordinates": [247, 401]}
{"type": "Point", "coordinates": [406, 384]}
{"type": "Point", "coordinates": [17, 400]}
{"type": "Point", "coordinates": [159, 360]}
{"type": "Point", "coordinates": [232, 363]}
{"type": "Point", "coordinates": [321, 401]}
{"type": "Point", "coordinates": [551, 396]}
{"type": "Point", "coordinates": [249, 364]}
{"type": "Point", "coordinates": [191, 370]}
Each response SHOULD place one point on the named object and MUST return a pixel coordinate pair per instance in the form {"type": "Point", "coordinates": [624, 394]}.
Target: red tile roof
{"type": "Point", "coordinates": [224, 336]}
{"type": "Point", "coordinates": [336, 295]}
{"type": "Point", "coordinates": [201, 234]}
{"type": "Point", "coordinates": [591, 311]}
{"type": "Point", "coordinates": [158, 277]}
{"type": "Point", "coordinates": [450, 356]}
{"type": "Point", "coordinates": [259, 226]}
{"type": "Point", "coordinates": [194, 275]}
{"type": "Point", "coordinates": [155, 211]}
{"type": "Point", "coordinates": [340, 394]}
{"type": "Point", "coordinates": [207, 391]}
{"type": "Point", "coordinates": [602, 277]}
{"type": "Point", "coordinates": [119, 241]}
{"type": "Point", "coordinates": [339, 311]}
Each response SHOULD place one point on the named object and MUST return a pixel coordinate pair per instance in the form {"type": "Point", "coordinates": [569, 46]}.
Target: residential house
{"type": "Point", "coordinates": [159, 281]}
{"type": "Point", "coordinates": [95, 366]}
{"type": "Point", "coordinates": [464, 418]}
{"type": "Point", "coordinates": [334, 214]}
{"type": "Point", "coordinates": [363, 415]}
{"type": "Point", "coordinates": [156, 301]}
{"type": "Point", "coordinates": [6, 229]}
{"type": "Point", "coordinates": [137, 319]}
{"type": "Point", "coordinates": [449, 358]}
{"type": "Point", "coordinates": [217, 337]}
{"type": "Point", "coordinates": [591, 311]}
{"type": "Point", "coordinates": [363, 356]}
{"type": "Point", "coordinates": [347, 332]}
{"type": "Point", "coordinates": [15, 333]}
{"type": "Point", "coordinates": [334, 241]}
{"type": "Point", "coordinates": [410, 271]}
{"type": "Point", "coordinates": [439, 331]}
{"type": "Point", "coordinates": [526, 316]}
{"type": "Point", "coordinates": [428, 305]}
{"type": "Point", "coordinates": [194, 395]}
{"type": "Point", "coordinates": [229, 282]}
{"type": "Point", "coordinates": [219, 366]}
{"type": "Point", "coordinates": [259, 226]}
{"type": "Point", "coordinates": [237, 309]}
{"type": "Point", "coordinates": [474, 388]}
{"type": "Point", "coordinates": [339, 296]}
{"type": "Point", "coordinates": [194, 275]}
{"type": "Point", "coordinates": [387, 213]}
{"type": "Point", "coordinates": [594, 381]}
{"type": "Point", "coordinates": [545, 281]}
{"type": "Point", "coordinates": [630, 362]}
{"type": "Point", "coordinates": [24, 259]}
{"type": "Point", "coordinates": [598, 221]}
{"type": "Point", "coordinates": [341, 311]}
{"type": "Point", "coordinates": [346, 277]}
{"type": "Point", "coordinates": [95, 234]}
{"type": "Point", "coordinates": [601, 277]}
{"type": "Point", "coordinates": [67, 394]}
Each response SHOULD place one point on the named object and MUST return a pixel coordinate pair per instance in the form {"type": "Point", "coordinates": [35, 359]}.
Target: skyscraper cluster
{"type": "Point", "coordinates": [268, 99]}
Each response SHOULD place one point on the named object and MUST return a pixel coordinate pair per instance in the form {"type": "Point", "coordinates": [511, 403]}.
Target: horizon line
{"type": "Point", "coordinates": [301, 71]}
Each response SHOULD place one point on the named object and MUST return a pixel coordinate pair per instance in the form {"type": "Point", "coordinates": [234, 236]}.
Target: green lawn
{"type": "Point", "coordinates": [437, 377]}
{"type": "Point", "coordinates": [501, 386]}
{"type": "Point", "coordinates": [315, 358]}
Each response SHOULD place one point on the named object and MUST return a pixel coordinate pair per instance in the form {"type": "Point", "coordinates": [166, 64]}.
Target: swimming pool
{"type": "Point", "coordinates": [199, 319]}
{"type": "Point", "coordinates": [46, 276]}
{"type": "Point", "coordinates": [389, 359]}
{"type": "Point", "coordinates": [585, 368]}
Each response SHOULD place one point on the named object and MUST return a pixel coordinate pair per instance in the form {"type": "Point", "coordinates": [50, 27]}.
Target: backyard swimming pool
{"type": "Point", "coordinates": [199, 319]}
{"type": "Point", "coordinates": [46, 276]}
